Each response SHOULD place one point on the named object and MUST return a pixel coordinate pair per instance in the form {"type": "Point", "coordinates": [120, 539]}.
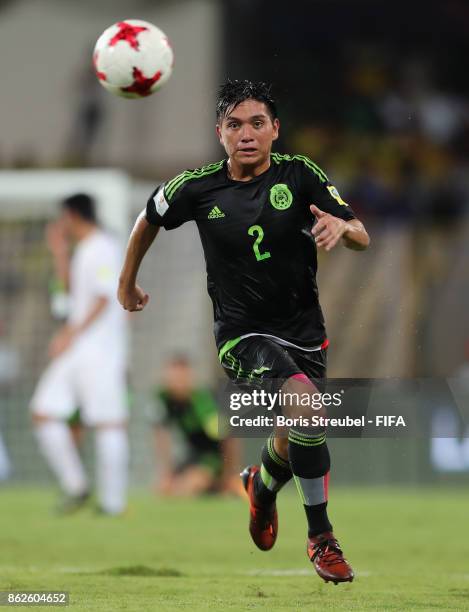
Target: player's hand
{"type": "Point", "coordinates": [328, 230]}
{"type": "Point", "coordinates": [62, 340]}
{"type": "Point", "coordinates": [133, 298]}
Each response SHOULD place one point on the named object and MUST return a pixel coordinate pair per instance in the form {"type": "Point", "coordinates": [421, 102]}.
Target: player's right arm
{"type": "Point", "coordinates": [130, 295]}
{"type": "Point", "coordinates": [60, 249]}
{"type": "Point", "coordinates": [169, 206]}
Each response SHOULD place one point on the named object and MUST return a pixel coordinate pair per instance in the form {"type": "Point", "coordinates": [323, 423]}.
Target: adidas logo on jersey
{"type": "Point", "coordinates": [215, 213]}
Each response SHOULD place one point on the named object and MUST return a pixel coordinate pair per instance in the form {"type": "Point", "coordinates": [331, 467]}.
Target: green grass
{"type": "Point", "coordinates": [410, 550]}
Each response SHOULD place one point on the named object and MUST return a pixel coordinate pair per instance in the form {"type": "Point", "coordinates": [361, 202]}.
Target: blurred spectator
{"type": "Point", "coordinates": [190, 412]}
{"type": "Point", "coordinates": [87, 120]}
{"type": "Point", "coordinates": [399, 147]}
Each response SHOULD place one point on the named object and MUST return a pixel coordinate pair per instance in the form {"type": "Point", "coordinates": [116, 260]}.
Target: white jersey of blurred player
{"type": "Point", "coordinates": [88, 373]}
{"type": "Point", "coordinates": [91, 373]}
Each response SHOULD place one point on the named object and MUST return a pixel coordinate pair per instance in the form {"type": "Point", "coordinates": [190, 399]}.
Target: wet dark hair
{"type": "Point", "coordinates": [82, 205]}
{"type": "Point", "coordinates": [232, 93]}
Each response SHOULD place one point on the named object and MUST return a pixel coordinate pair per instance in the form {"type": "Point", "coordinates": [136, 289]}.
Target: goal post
{"type": "Point", "coordinates": [33, 194]}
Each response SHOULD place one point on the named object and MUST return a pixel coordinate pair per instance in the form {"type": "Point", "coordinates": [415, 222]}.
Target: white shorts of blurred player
{"type": "Point", "coordinates": [87, 378]}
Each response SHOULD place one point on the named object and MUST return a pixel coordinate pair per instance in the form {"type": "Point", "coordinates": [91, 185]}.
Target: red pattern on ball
{"type": "Point", "coordinates": [101, 76]}
{"type": "Point", "coordinates": [129, 33]}
{"type": "Point", "coordinates": [142, 85]}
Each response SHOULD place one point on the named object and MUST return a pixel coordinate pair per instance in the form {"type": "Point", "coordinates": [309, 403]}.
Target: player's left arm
{"type": "Point", "coordinates": [329, 230]}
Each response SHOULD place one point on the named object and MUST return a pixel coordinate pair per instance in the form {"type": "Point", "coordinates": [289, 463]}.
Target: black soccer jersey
{"type": "Point", "coordinates": [256, 235]}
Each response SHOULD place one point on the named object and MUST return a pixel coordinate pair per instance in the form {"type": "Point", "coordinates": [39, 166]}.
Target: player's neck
{"type": "Point", "coordinates": [240, 172]}
{"type": "Point", "coordinates": [84, 230]}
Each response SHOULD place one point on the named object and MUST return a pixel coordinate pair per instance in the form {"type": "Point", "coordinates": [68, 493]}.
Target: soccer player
{"type": "Point", "coordinates": [88, 362]}
{"type": "Point", "coordinates": [192, 412]}
{"type": "Point", "coordinates": [261, 216]}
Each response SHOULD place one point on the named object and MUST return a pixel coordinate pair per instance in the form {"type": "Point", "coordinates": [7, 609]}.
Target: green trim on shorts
{"type": "Point", "coordinates": [227, 346]}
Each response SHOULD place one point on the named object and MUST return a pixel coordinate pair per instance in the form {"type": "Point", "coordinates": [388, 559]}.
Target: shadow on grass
{"type": "Point", "coordinates": [141, 570]}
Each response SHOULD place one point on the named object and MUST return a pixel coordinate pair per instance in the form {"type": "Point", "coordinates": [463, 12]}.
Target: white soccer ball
{"type": "Point", "coordinates": [133, 58]}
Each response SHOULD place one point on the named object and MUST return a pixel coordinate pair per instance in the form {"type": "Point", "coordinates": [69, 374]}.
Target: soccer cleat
{"type": "Point", "coordinates": [327, 557]}
{"type": "Point", "coordinates": [263, 522]}
{"type": "Point", "coordinates": [72, 503]}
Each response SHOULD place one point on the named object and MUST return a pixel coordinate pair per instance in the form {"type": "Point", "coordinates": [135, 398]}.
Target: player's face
{"type": "Point", "coordinates": [179, 379]}
{"type": "Point", "coordinates": [247, 133]}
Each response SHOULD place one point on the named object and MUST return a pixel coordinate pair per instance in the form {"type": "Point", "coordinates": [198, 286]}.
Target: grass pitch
{"type": "Point", "coordinates": [410, 550]}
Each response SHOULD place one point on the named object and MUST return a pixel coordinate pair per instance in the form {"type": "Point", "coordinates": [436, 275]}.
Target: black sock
{"type": "Point", "coordinates": [310, 464]}
{"type": "Point", "coordinates": [274, 474]}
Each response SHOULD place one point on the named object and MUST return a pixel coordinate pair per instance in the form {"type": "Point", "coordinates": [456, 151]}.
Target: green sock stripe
{"type": "Point", "coordinates": [177, 182]}
{"type": "Point", "coordinates": [300, 490]}
{"type": "Point", "coordinates": [303, 442]}
{"type": "Point", "coordinates": [306, 436]}
{"type": "Point", "coordinates": [266, 477]}
{"type": "Point", "coordinates": [307, 441]}
{"type": "Point", "coordinates": [274, 455]}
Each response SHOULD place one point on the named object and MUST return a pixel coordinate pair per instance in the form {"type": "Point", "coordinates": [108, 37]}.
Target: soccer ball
{"type": "Point", "coordinates": [133, 58]}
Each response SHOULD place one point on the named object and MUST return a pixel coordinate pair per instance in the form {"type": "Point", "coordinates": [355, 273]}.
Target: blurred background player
{"type": "Point", "coordinates": [183, 409]}
{"type": "Point", "coordinates": [88, 362]}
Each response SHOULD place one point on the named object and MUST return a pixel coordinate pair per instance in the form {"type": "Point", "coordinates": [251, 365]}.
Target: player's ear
{"type": "Point", "coordinates": [276, 124]}
{"type": "Point", "coordinates": [218, 130]}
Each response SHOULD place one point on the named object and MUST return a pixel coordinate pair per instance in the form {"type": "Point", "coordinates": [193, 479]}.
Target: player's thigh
{"type": "Point", "coordinates": [102, 391]}
{"type": "Point", "coordinates": [54, 396]}
{"type": "Point", "coordinates": [313, 364]}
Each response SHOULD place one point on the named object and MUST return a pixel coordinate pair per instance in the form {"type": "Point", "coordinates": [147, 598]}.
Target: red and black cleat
{"type": "Point", "coordinates": [263, 522]}
{"type": "Point", "coordinates": [328, 559]}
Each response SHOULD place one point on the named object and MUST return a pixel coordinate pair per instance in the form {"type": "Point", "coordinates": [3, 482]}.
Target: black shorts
{"type": "Point", "coordinates": [260, 361]}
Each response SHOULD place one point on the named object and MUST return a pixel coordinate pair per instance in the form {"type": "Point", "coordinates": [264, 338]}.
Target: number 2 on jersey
{"type": "Point", "coordinates": [256, 230]}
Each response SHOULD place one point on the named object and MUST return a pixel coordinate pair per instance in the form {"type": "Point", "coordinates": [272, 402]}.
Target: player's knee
{"type": "Point", "coordinates": [281, 446]}
{"type": "Point", "coordinates": [299, 397]}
